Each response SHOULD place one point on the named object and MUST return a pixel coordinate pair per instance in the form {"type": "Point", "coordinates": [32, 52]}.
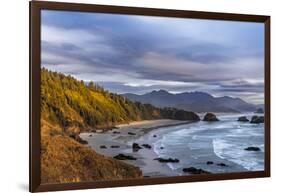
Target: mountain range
{"type": "Point", "coordinates": [194, 101]}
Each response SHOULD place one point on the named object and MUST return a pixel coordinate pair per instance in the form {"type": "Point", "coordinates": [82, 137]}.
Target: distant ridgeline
{"type": "Point", "coordinates": [70, 102]}
{"type": "Point", "coordinates": [68, 107]}
{"type": "Point", "coordinates": [194, 101]}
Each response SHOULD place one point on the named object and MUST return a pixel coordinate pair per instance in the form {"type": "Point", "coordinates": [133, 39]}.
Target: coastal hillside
{"type": "Point", "coordinates": [193, 101]}
{"type": "Point", "coordinates": [72, 103]}
{"type": "Point", "coordinates": [69, 107]}
{"type": "Point", "coordinates": [64, 160]}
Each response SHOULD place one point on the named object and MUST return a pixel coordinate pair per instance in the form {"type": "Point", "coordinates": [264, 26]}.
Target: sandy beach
{"type": "Point", "coordinates": [125, 135]}
{"type": "Point", "coordinates": [217, 147]}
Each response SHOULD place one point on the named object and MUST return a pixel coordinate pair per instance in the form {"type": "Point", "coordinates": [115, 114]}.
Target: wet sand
{"type": "Point", "coordinates": [127, 134]}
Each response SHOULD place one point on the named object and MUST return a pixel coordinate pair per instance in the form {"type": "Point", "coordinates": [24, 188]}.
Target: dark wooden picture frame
{"type": "Point", "coordinates": [37, 6]}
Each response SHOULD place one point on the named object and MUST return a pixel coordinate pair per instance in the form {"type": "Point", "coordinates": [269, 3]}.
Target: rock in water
{"type": "Point", "coordinates": [166, 160]}
{"type": "Point", "coordinates": [209, 162]}
{"type": "Point", "coordinates": [103, 147]}
{"type": "Point", "coordinates": [193, 170]}
{"type": "Point", "coordinates": [131, 133]}
{"type": "Point", "coordinates": [210, 117]}
{"type": "Point", "coordinates": [257, 119]}
{"type": "Point", "coordinates": [136, 147]}
{"type": "Point", "coordinates": [124, 157]}
{"type": "Point", "coordinates": [252, 149]}
{"type": "Point", "coordinates": [146, 146]}
{"type": "Point", "coordinates": [115, 146]}
{"type": "Point", "coordinates": [222, 164]}
{"type": "Point", "coordinates": [243, 119]}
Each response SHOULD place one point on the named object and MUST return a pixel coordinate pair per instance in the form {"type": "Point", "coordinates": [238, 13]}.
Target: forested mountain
{"type": "Point", "coordinates": [193, 101]}
{"type": "Point", "coordinates": [68, 107]}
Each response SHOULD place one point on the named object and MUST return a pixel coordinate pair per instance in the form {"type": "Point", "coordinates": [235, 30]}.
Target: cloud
{"type": "Point", "coordinates": [61, 35]}
{"type": "Point", "coordinates": [246, 85]}
{"type": "Point", "coordinates": [140, 53]}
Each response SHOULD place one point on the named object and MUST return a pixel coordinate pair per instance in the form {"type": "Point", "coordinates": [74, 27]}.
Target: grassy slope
{"type": "Point", "coordinates": [65, 160]}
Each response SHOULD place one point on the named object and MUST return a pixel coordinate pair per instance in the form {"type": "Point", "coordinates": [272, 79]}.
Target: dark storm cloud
{"type": "Point", "coordinates": [140, 53]}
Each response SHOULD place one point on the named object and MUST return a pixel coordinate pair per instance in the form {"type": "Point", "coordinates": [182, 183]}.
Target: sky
{"type": "Point", "coordinates": [139, 54]}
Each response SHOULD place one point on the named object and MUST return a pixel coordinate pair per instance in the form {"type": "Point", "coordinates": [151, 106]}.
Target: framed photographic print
{"type": "Point", "coordinates": [123, 96]}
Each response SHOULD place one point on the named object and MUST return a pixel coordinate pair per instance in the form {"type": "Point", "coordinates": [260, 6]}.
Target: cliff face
{"type": "Point", "coordinates": [64, 160]}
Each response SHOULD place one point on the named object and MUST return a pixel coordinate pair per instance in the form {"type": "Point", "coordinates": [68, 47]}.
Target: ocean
{"type": "Point", "coordinates": [218, 142]}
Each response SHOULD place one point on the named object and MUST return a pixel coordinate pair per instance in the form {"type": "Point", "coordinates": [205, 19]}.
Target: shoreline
{"type": "Point", "coordinates": [153, 125]}
{"type": "Point", "coordinates": [145, 157]}
{"type": "Point", "coordinates": [153, 132]}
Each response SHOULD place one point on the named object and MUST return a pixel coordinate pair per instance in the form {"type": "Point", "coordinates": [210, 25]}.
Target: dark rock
{"type": "Point", "coordinates": [252, 149]}
{"type": "Point", "coordinates": [146, 146]}
{"type": "Point", "coordinates": [124, 157]}
{"type": "Point", "coordinates": [136, 147]}
{"type": "Point", "coordinates": [131, 133]}
{"type": "Point", "coordinates": [154, 135]}
{"type": "Point", "coordinates": [161, 147]}
{"type": "Point", "coordinates": [260, 111]}
{"type": "Point", "coordinates": [257, 119]}
{"type": "Point", "coordinates": [209, 162]}
{"type": "Point", "coordinates": [210, 117]}
{"type": "Point", "coordinates": [193, 170]}
{"type": "Point", "coordinates": [116, 132]}
{"type": "Point", "coordinates": [243, 119]}
{"type": "Point", "coordinates": [166, 160]}
{"type": "Point", "coordinates": [90, 135]}
{"type": "Point", "coordinates": [146, 176]}
{"type": "Point", "coordinates": [222, 164]}
{"type": "Point", "coordinates": [103, 147]}
{"type": "Point", "coordinates": [82, 141]}
{"type": "Point", "coordinates": [79, 139]}
{"type": "Point", "coordinates": [115, 146]}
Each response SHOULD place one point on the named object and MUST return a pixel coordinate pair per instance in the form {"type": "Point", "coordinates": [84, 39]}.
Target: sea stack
{"type": "Point", "coordinates": [243, 119]}
{"type": "Point", "coordinates": [257, 119]}
{"type": "Point", "coordinates": [210, 117]}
